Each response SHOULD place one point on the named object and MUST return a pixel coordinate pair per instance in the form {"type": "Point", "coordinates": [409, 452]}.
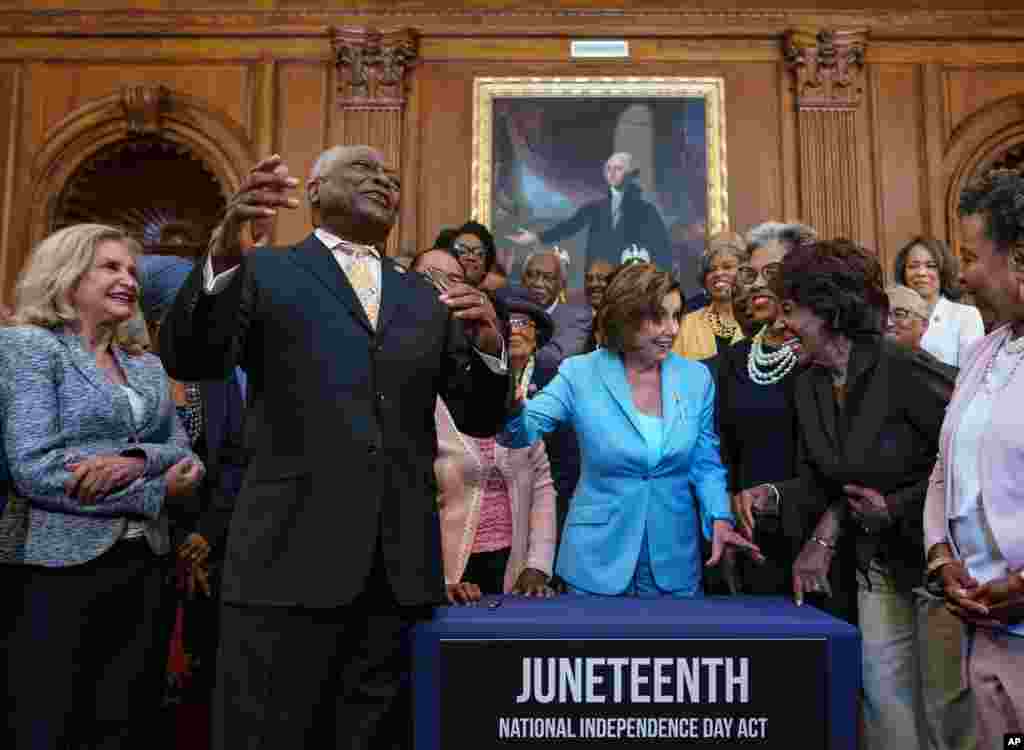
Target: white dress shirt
{"type": "Point", "coordinates": [341, 250]}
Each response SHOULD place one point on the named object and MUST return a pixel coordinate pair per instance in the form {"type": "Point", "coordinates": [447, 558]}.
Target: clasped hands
{"type": "Point", "coordinates": [998, 603]}
{"type": "Point", "coordinates": [531, 582]}
{"type": "Point", "coordinates": [93, 479]}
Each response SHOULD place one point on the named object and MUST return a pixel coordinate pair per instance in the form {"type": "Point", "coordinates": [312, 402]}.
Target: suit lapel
{"type": "Point", "coordinates": [872, 400]}
{"type": "Point", "coordinates": [313, 256]}
{"type": "Point", "coordinates": [144, 381]}
{"type": "Point", "coordinates": [84, 361]}
{"type": "Point", "coordinates": [391, 295]}
{"type": "Point", "coordinates": [671, 398]}
{"type": "Point", "coordinates": [826, 407]}
{"type": "Point", "coordinates": [613, 373]}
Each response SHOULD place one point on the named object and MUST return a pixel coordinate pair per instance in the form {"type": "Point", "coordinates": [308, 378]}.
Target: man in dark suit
{"type": "Point", "coordinates": [544, 277]}
{"type": "Point", "coordinates": [615, 222]}
{"type": "Point", "coordinates": [334, 543]}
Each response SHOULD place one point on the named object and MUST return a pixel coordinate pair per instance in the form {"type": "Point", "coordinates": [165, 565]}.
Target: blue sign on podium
{"type": "Point", "coordinates": [716, 672]}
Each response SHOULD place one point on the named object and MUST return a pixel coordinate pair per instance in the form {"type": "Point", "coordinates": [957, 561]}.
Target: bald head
{"type": "Point", "coordinates": [354, 194]}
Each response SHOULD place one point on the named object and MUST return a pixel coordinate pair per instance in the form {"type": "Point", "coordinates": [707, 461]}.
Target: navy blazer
{"type": "Point", "coordinates": [340, 424]}
{"type": "Point", "coordinates": [58, 406]}
{"type": "Point", "coordinates": [620, 495]}
{"type": "Point", "coordinates": [573, 324]}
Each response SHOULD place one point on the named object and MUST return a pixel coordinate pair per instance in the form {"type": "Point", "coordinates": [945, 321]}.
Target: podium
{"type": "Point", "coordinates": [717, 672]}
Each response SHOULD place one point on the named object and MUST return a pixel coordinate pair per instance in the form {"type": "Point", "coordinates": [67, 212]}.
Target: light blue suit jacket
{"type": "Point", "coordinates": [620, 495]}
{"type": "Point", "coordinates": [57, 405]}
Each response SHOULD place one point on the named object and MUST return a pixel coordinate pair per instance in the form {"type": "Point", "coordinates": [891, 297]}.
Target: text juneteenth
{"type": "Point", "coordinates": [718, 679]}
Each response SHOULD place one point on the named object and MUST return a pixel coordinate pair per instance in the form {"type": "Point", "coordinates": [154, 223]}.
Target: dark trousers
{"type": "Point", "coordinates": [487, 570]}
{"type": "Point", "coordinates": [296, 677]}
{"type": "Point", "coordinates": [88, 654]}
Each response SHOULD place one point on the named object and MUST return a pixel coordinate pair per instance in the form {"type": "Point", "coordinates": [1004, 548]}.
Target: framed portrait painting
{"type": "Point", "coordinates": [600, 169]}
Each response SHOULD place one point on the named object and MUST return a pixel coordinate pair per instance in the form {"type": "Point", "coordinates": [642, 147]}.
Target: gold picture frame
{"type": "Point", "coordinates": [703, 94]}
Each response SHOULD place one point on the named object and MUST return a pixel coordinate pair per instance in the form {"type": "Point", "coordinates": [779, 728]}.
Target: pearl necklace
{"type": "Point", "coordinates": [768, 368]}
{"type": "Point", "coordinates": [1011, 347]}
{"type": "Point", "coordinates": [718, 326]}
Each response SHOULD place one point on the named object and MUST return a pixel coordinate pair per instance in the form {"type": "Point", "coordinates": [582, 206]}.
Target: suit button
{"type": "Point", "coordinates": [380, 396]}
{"type": "Point", "coordinates": [371, 449]}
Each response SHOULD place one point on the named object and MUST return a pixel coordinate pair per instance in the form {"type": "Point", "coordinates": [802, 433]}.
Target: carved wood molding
{"type": "Point", "coordinates": [144, 108]}
{"type": "Point", "coordinates": [536, 17]}
{"type": "Point", "coordinates": [373, 66]}
{"type": "Point", "coordinates": [827, 67]}
{"type": "Point", "coordinates": [214, 138]}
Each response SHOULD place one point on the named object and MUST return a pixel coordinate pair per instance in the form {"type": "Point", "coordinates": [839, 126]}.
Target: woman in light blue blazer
{"type": "Point", "coordinates": [644, 418]}
{"type": "Point", "coordinates": [97, 456]}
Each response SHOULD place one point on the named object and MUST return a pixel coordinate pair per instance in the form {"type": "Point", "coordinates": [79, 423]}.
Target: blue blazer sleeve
{"type": "Point", "coordinates": [552, 406]}
{"type": "Point", "coordinates": [708, 475]}
{"type": "Point", "coordinates": [38, 443]}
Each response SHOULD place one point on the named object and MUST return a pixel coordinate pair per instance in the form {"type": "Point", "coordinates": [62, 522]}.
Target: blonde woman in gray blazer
{"type": "Point", "coordinates": [97, 457]}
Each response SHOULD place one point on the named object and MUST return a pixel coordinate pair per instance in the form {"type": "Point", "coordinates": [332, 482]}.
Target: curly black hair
{"type": "Point", "coordinates": [486, 239]}
{"type": "Point", "coordinates": [840, 281]}
{"type": "Point", "coordinates": [999, 197]}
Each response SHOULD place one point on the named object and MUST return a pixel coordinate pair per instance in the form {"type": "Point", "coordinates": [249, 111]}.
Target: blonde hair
{"type": "Point", "coordinates": [42, 296]}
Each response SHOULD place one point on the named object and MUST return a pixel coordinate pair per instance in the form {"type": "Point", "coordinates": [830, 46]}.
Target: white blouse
{"type": "Point", "coordinates": [972, 535]}
{"type": "Point", "coordinates": [951, 329]}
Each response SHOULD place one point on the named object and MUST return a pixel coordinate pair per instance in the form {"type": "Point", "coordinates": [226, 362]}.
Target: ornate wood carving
{"type": "Point", "coordinates": [138, 184]}
{"type": "Point", "coordinates": [373, 86]}
{"type": "Point", "coordinates": [144, 107]}
{"type": "Point", "coordinates": [209, 136]}
{"type": "Point", "coordinates": [373, 67]}
{"type": "Point", "coordinates": [827, 67]}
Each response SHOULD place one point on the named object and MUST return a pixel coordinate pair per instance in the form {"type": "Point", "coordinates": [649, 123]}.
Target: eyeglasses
{"type": "Point", "coordinates": [748, 274]}
{"type": "Point", "coordinates": [517, 320]}
{"type": "Point", "coordinates": [902, 314]}
{"type": "Point", "coordinates": [461, 248]}
{"type": "Point", "coordinates": [596, 278]}
{"type": "Point", "coordinates": [547, 278]}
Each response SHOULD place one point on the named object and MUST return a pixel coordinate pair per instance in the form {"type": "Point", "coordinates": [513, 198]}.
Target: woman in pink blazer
{"type": "Point", "coordinates": [974, 512]}
{"type": "Point", "coordinates": [497, 504]}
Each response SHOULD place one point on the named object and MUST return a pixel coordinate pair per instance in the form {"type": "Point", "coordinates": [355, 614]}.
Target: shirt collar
{"type": "Point", "coordinates": [552, 308]}
{"type": "Point", "coordinates": [333, 242]}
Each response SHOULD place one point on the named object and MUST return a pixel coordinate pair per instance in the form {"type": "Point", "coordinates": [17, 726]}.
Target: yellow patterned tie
{"type": "Point", "coordinates": [364, 282]}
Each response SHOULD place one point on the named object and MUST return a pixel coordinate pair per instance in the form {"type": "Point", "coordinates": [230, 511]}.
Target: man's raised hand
{"type": "Point", "coordinates": [251, 213]}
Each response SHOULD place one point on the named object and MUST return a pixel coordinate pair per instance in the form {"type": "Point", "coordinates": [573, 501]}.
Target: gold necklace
{"type": "Point", "coordinates": [719, 327]}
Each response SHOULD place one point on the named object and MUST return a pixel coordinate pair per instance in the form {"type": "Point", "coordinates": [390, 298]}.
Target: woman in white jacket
{"type": "Point", "coordinates": [928, 267]}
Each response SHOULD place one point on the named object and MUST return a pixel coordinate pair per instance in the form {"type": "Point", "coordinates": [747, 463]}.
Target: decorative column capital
{"type": "Point", "coordinates": [827, 67]}
{"type": "Point", "coordinates": [144, 107]}
{"type": "Point", "coordinates": [373, 66]}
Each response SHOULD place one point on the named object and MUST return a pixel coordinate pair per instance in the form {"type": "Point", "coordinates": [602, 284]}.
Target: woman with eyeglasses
{"type": "Point", "coordinates": [927, 267]}
{"type": "Point", "coordinates": [706, 332]}
{"type": "Point", "coordinates": [756, 416]}
{"type": "Point", "coordinates": [497, 504]}
{"type": "Point", "coordinates": [474, 247]}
